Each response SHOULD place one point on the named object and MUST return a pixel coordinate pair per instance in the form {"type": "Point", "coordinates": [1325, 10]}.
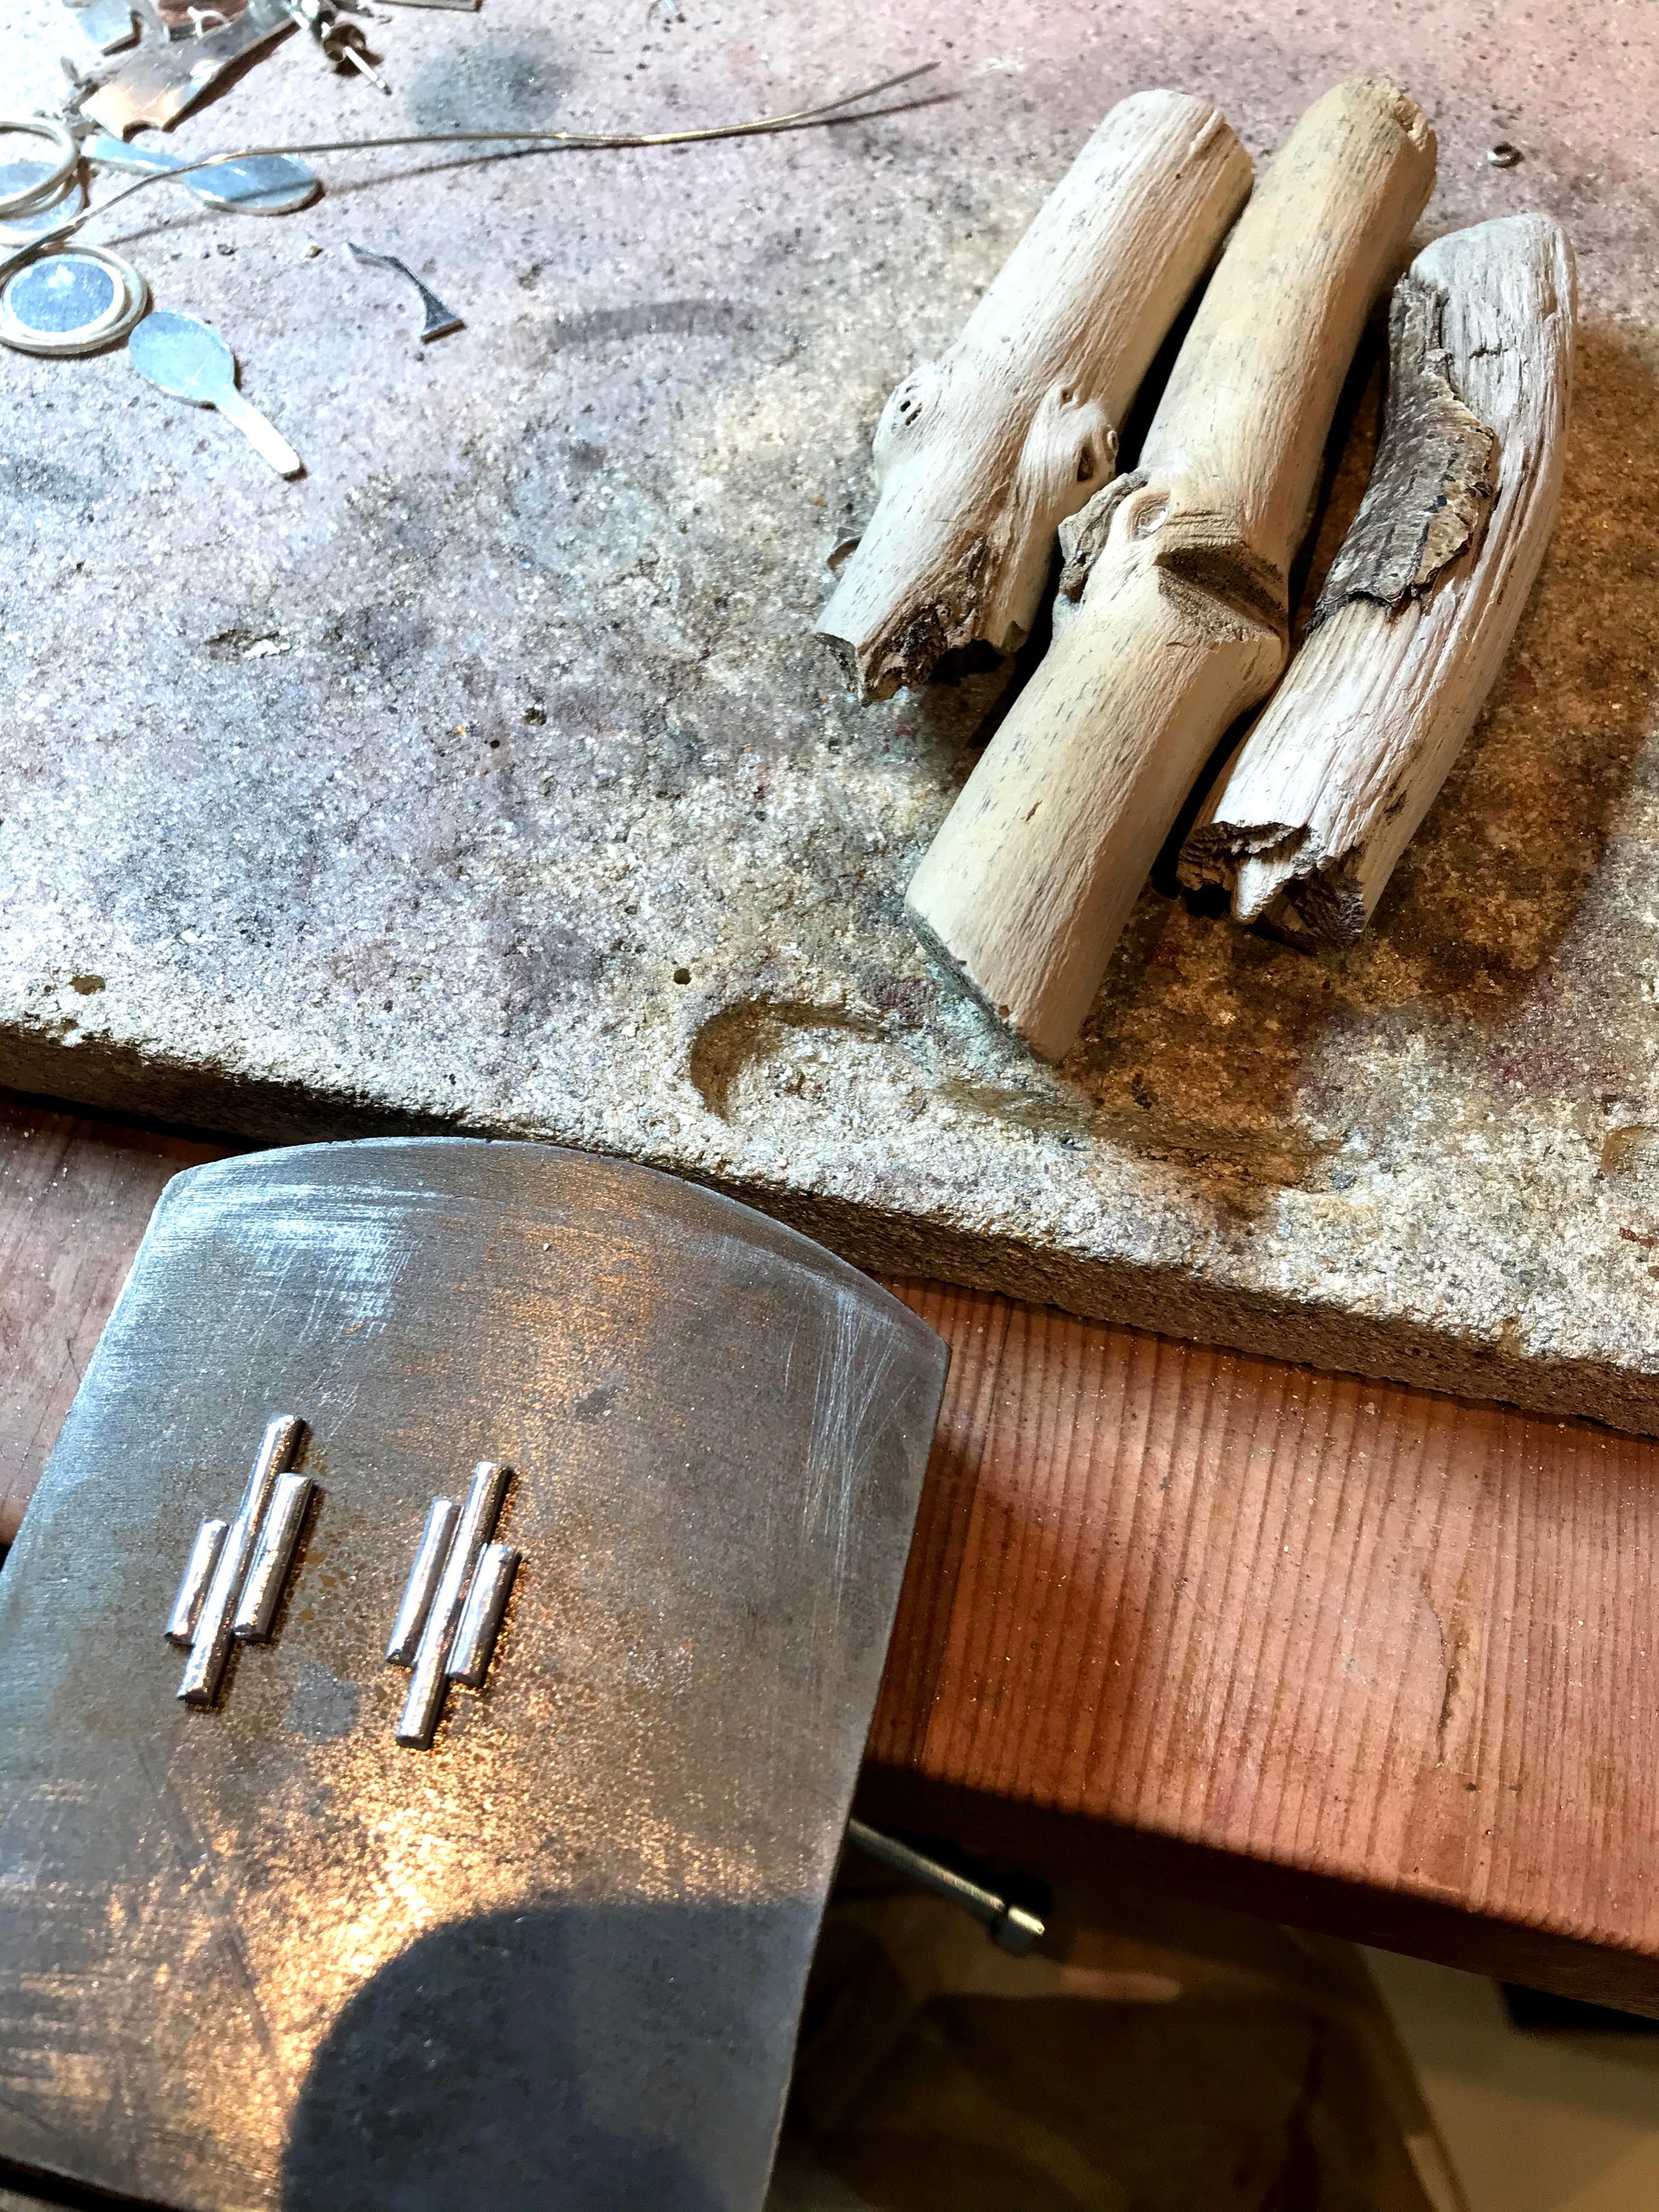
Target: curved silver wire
{"type": "Point", "coordinates": [45, 190]}
{"type": "Point", "coordinates": [578, 141]}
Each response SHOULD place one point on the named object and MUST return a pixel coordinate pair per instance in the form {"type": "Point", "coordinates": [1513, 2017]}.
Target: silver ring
{"type": "Point", "coordinates": [56, 180]}
{"type": "Point", "coordinates": [126, 309]}
{"type": "Point", "coordinates": [25, 229]}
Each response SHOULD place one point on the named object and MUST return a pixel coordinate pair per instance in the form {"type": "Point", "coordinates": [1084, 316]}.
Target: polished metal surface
{"type": "Point", "coordinates": [481, 1616]}
{"type": "Point", "coordinates": [187, 361]}
{"type": "Point", "coordinates": [422, 1585]}
{"type": "Point", "coordinates": [440, 320]}
{"type": "Point", "coordinates": [273, 1555]}
{"type": "Point", "coordinates": [193, 1588]}
{"type": "Point", "coordinates": [423, 1707]}
{"type": "Point", "coordinates": [204, 1669]}
{"type": "Point", "coordinates": [271, 1961]}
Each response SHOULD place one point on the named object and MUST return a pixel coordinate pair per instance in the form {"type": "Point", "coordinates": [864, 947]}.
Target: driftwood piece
{"type": "Point", "coordinates": [1182, 577]}
{"type": "Point", "coordinates": [980, 454]}
{"type": "Point", "coordinates": [1423, 598]}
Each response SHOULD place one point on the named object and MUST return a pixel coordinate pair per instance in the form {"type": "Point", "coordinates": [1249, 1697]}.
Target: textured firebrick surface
{"type": "Point", "coordinates": [488, 776]}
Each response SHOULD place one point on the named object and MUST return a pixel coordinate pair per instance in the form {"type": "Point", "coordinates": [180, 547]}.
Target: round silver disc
{"type": "Point", "coordinates": [72, 302]}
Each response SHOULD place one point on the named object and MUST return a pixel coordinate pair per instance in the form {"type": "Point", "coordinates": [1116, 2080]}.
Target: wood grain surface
{"type": "Point", "coordinates": [1424, 596]}
{"type": "Point", "coordinates": [1356, 1656]}
{"type": "Point", "coordinates": [75, 1195]}
{"type": "Point", "coordinates": [1365, 1657]}
{"type": "Point", "coordinates": [1173, 613]}
{"type": "Point", "coordinates": [981, 454]}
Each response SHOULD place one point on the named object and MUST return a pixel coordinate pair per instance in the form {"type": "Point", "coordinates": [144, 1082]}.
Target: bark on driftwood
{"type": "Point", "coordinates": [1181, 578]}
{"type": "Point", "coordinates": [1422, 601]}
{"type": "Point", "coordinates": [980, 454]}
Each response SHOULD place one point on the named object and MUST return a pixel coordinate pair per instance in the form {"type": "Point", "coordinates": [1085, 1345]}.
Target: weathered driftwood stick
{"type": "Point", "coordinates": [1180, 573]}
{"type": "Point", "coordinates": [1423, 598]}
{"type": "Point", "coordinates": [979, 455]}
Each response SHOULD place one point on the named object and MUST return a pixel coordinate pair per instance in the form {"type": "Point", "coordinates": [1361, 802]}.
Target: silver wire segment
{"type": "Point", "coordinates": [198, 1572]}
{"type": "Point", "coordinates": [273, 1555]}
{"type": "Point", "coordinates": [422, 1585]}
{"type": "Point", "coordinates": [481, 1619]}
{"type": "Point", "coordinates": [423, 1706]}
{"type": "Point", "coordinates": [210, 1644]}
{"type": "Point", "coordinates": [798, 119]}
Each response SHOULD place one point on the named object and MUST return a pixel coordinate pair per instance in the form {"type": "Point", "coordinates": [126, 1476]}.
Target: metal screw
{"type": "Point", "coordinates": [1009, 1926]}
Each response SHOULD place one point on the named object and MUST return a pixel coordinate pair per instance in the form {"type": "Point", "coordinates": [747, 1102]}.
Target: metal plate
{"type": "Point", "coordinates": [262, 1954]}
{"type": "Point", "coordinates": [167, 76]}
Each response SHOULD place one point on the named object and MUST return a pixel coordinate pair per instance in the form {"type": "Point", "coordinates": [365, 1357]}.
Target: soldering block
{"type": "Point", "coordinates": [488, 777]}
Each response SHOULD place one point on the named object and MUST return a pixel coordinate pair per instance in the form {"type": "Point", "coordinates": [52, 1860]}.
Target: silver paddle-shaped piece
{"type": "Point", "coordinates": [257, 184]}
{"type": "Point", "coordinates": [187, 361]}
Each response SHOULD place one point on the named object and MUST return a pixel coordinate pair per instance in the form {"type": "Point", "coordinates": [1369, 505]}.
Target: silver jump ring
{"type": "Point", "coordinates": [46, 188]}
{"type": "Point", "coordinates": [51, 186]}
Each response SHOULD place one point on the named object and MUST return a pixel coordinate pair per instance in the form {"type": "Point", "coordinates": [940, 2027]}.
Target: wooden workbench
{"type": "Point", "coordinates": [1354, 1655]}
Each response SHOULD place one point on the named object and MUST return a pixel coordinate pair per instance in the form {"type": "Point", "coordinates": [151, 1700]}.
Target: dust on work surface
{"type": "Point", "coordinates": [487, 776]}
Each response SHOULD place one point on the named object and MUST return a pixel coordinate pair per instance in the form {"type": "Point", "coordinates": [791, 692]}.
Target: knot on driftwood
{"type": "Point", "coordinates": [1083, 536]}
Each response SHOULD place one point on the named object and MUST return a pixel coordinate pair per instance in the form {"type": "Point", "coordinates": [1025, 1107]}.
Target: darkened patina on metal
{"type": "Point", "coordinates": [263, 1956]}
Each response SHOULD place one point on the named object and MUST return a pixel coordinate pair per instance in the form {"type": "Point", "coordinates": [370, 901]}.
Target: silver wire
{"type": "Point", "coordinates": [577, 141]}
{"type": "Point", "coordinates": [55, 182]}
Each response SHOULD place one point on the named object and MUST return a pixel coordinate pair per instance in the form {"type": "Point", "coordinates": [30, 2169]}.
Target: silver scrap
{"type": "Point", "coordinates": [440, 320]}
{"type": "Point", "coordinates": [273, 1555]}
{"type": "Point", "coordinates": [166, 77]}
{"type": "Point", "coordinates": [422, 1585]}
{"type": "Point", "coordinates": [193, 1585]}
{"type": "Point", "coordinates": [481, 1616]}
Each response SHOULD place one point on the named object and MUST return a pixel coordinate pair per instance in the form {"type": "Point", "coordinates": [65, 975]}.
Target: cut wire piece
{"type": "Point", "coordinates": [450, 1611]}
{"type": "Point", "coordinates": [234, 1579]}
